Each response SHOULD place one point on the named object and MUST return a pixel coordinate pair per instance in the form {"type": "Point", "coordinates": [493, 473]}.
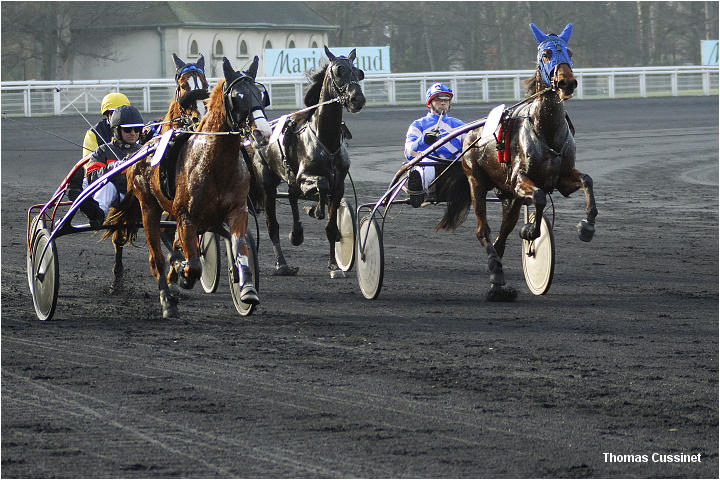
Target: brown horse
{"type": "Point", "coordinates": [187, 106]}
{"type": "Point", "coordinates": [212, 183]}
{"type": "Point", "coordinates": [535, 155]}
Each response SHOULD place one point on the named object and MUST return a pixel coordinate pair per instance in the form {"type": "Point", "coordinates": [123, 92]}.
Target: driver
{"type": "Point", "coordinates": [425, 131]}
{"type": "Point", "coordinates": [126, 124]}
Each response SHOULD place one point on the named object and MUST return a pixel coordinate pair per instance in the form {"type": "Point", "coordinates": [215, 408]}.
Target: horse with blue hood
{"type": "Point", "coordinates": [533, 154]}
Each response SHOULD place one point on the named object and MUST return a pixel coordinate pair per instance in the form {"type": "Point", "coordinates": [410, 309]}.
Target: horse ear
{"type": "Point", "coordinates": [178, 63]}
{"type": "Point", "coordinates": [201, 63]}
{"type": "Point", "coordinates": [539, 35]}
{"type": "Point", "coordinates": [351, 57]}
{"type": "Point", "coordinates": [567, 31]}
{"type": "Point", "coordinates": [252, 71]}
{"type": "Point", "coordinates": [329, 54]}
{"type": "Point", "coordinates": [228, 71]}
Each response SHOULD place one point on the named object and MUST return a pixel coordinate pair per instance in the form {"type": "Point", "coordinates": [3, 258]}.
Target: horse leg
{"type": "Point", "coordinates": [511, 212]}
{"type": "Point", "coordinates": [241, 255]}
{"type": "Point", "coordinates": [570, 183]}
{"type": "Point", "coordinates": [118, 269]}
{"type": "Point", "coordinates": [525, 188]}
{"type": "Point", "coordinates": [151, 222]}
{"type": "Point", "coordinates": [189, 269]}
{"type": "Point", "coordinates": [332, 232]}
{"type": "Point", "coordinates": [296, 236]}
{"type": "Point", "coordinates": [498, 290]}
{"type": "Point", "coordinates": [281, 266]}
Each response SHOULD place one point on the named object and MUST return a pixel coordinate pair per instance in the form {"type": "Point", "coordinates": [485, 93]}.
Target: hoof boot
{"type": "Point", "coordinates": [285, 271]}
{"type": "Point", "coordinates": [501, 293]}
{"type": "Point", "coordinates": [585, 231]}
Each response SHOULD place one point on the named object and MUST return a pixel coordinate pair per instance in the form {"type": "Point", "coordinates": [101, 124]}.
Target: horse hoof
{"type": "Point", "coordinates": [337, 273]}
{"type": "Point", "coordinates": [297, 238]}
{"type": "Point", "coordinates": [501, 293]}
{"type": "Point", "coordinates": [528, 232]}
{"type": "Point", "coordinates": [285, 271]}
{"type": "Point", "coordinates": [170, 312]}
{"type": "Point", "coordinates": [168, 305]}
{"type": "Point", "coordinates": [249, 295]}
{"type": "Point", "coordinates": [585, 231]}
{"type": "Point", "coordinates": [185, 282]}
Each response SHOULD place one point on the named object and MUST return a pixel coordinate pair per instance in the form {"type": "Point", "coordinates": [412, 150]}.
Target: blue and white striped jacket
{"type": "Point", "coordinates": [414, 139]}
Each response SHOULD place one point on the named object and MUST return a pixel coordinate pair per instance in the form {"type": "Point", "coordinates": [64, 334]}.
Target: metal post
{"type": "Point", "coordinates": [28, 102]}
{"type": "Point", "coordinates": [706, 82]}
{"type": "Point", "coordinates": [579, 78]}
{"type": "Point", "coordinates": [391, 92]}
{"type": "Point", "coordinates": [643, 84]}
{"type": "Point", "coordinates": [56, 102]}
{"type": "Point", "coordinates": [611, 85]}
{"type": "Point", "coordinates": [516, 88]}
{"type": "Point", "coordinates": [485, 93]}
{"type": "Point", "coordinates": [673, 84]}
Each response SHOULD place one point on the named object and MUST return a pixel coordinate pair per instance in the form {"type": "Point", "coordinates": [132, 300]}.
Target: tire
{"type": "Point", "coordinates": [370, 258]}
{"type": "Point", "coordinates": [244, 309]}
{"type": "Point", "coordinates": [44, 275]}
{"type": "Point", "coordinates": [209, 252]}
{"type": "Point", "coordinates": [36, 225]}
{"type": "Point", "coordinates": [345, 248]}
{"type": "Point", "coordinates": [538, 257]}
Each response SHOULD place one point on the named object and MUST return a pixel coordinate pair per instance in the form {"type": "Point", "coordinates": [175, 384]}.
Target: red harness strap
{"type": "Point", "coordinates": [503, 144]}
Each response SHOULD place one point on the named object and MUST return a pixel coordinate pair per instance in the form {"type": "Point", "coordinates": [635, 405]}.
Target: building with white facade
{"type": "Point", "coordinates": [139, 38]}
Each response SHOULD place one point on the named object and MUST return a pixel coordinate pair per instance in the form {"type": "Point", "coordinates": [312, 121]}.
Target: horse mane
{"type": "Point", "coordinates": [214, 118]}
{"type": "Point", "coordinates": [312, 92]}
{"type": "Point", "coordinates": [532, 83]}
{"type": "Point", "coordinates": [173, 112]}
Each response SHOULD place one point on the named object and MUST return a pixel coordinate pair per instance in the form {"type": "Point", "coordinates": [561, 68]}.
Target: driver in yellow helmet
{"type": "Point", "coordinates": [101, 133]}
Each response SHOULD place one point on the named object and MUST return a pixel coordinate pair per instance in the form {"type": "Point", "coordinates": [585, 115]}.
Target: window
{"type": "Point", "coordinates": [291, 44]}
{"type": "Point", "coordinates": [193, 48]}
{"type": "Point", "coordinates": [268, 44]}
{"type": "Point", "coordinates": [242, 50]}
{"type": "Point", "coordinates": [314, 44]}
{"type": "Point", "coordinates": [218, 49]}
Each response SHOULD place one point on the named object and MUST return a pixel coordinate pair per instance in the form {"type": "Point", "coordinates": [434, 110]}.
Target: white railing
{"type": "Point", "coordinates": [30, 98]}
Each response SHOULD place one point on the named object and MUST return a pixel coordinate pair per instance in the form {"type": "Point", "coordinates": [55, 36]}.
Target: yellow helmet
{"type": "Point", "coordinates": [113, 100]}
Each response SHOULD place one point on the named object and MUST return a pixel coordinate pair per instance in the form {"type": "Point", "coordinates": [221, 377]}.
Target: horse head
{"type": "Point", "coordinates": [554, 61]}
{"type": "Point", "coordinates": [191, 82]}
{"type": "Point", "coordinates": [345, 80]}
{"type": "Point", "coordinates": [245, 101]}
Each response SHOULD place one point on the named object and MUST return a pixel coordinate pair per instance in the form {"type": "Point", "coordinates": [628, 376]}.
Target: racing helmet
{"type": "Point", "coordinates": [435, 90]}
{"type": "Point", "coordinates": [113, 100]}
{"type": "Point", "coordinates": [125, 116]}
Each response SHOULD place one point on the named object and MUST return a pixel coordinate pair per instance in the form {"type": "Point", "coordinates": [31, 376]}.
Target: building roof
{"type": "Point", "coordinates": [242, 15]}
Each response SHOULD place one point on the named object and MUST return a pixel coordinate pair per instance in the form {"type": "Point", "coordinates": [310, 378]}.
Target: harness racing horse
{"type": "Point", "coordinates": [312, 157]}
{"type": "Point", "coordinates": [534, 155]}
{"type": "Point", "coordinates": [212, 186]}
{"type": "Point", "coordinates": [187, 106]}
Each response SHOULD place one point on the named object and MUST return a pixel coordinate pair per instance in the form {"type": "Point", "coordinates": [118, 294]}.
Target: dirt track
{"type": "Point", "coordinates": [430, 380]}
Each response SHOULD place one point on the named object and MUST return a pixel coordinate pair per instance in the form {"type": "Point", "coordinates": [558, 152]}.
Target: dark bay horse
{"type": "Point", "coordinates": [311, 156]}
{"type": "Point", "coordinates": [536, 155]}
{"type": "Point", "coordinates": [212, 186]}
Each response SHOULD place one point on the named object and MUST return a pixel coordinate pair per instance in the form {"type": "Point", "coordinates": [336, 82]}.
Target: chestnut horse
{"type": "Point", "coordinates": [312, 157]}
{"type": "Point", "coordinates": [536, 155]}
{"type": "Point", "coordinates": [187, 106]}
{"type": "Point", "coordinates": [212, 186]}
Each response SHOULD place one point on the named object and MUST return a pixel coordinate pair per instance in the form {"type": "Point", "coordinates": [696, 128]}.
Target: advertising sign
{"type": "Point", "coordinates": [709, 49]}
{"type": "Point", "coordinates": [284, 62]}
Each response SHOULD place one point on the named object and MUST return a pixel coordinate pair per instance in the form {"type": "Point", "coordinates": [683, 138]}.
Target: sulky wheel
{"type": "Point", "coordinates": [345, 248]}
{"type": "Point", "coordinates": [538, 257]}
{"type": "Point", "coordinates": [370, 261]}
{"type": "Point", "coordinates": [209, 252]}
{"type": "Point", "coordinates": [44, 273]}
{"type": "Point", "coordinates": [244, 309]}
{"type": "Point", "coordinates": [35, 227]}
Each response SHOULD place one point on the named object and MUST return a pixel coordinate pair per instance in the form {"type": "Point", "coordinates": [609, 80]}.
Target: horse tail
{"type": "Point", "coordinates": [124, 220]}
{"type": "Point", "coordinates": [456, 190]}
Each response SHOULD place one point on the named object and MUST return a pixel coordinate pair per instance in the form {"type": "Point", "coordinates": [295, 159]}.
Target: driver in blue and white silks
{"type": "Point", "coordinates": [425, 131]}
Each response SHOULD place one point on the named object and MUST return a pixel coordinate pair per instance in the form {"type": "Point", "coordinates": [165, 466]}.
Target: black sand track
{"type": "Point", "coordinates": [429, 380]}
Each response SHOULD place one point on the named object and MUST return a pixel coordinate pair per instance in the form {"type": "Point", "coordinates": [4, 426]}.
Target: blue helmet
{"type": "Point", "coordinates": [435, 90]}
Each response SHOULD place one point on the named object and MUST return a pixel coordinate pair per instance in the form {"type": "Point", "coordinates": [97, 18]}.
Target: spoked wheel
{"type": "Point", "coordinates": [209, 252]}
{"type": "Point", "coordinates": [345, 248]}
{"type": "Point", "coordinates": [44, 273]}
{"type": "Point", "coordinates": [538, 257]}
{"type": "Point", "coordinates": [370, 261]}
{"type": "Point", "coordinates": [243, 309]}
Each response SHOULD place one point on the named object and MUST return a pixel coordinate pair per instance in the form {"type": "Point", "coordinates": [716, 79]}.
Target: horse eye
{"type": "Point", "coordinates": [547, 54]}
{"type": "Point", "coordinates": [340, 70]}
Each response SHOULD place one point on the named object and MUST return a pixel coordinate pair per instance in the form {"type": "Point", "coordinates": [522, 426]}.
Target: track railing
{"type": "Point", "coordinates": [33, 98]}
